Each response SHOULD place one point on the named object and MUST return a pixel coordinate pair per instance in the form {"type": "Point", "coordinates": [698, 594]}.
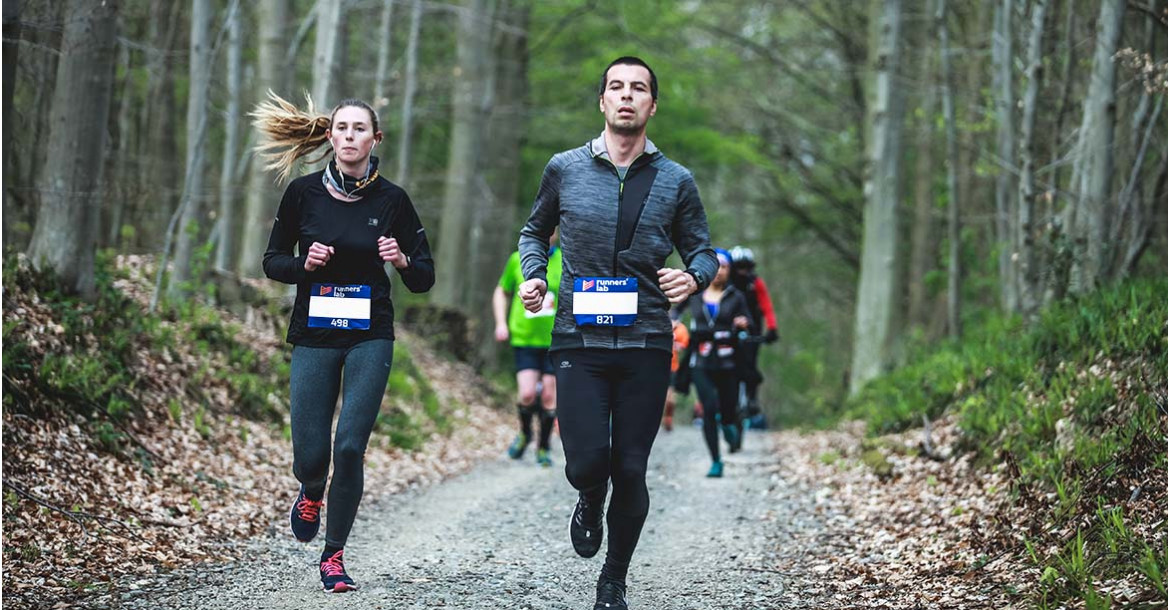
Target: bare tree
{"type": "Point", "coordinates": [66, 228]}
{"type": "Point", "coordinates": [262, 194]}
{"type": "Point", "coordinates": [1093, 168]}
{"type": "Point", "coordinates": [191, 206]}
{"type": "Point", "coordinates": [411, 87]}
{"type": "Point", "coordinates": [1027, 276]}
{"type": "Point", "coordinates": [954, 236]}
{"type": "Point", "coordinates": [923, 244]}
{"type": "Point", "coordinates": [11, 52]}
{"type": "Point", "coordinates": [329, 22]}
{"type": "Point", "coordinates": [1002, 57]}
{"type": "Point", "coordinates": [228, 193]}
{"type": "Point", "coordinates": [468, 122]}
{"type": "Point", "coordinates": [877, 291]}
{"type": "Point", "coordinates": [385, 36]}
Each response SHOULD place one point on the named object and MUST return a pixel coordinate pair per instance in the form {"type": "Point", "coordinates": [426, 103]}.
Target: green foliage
{"type": "Point", "coordinates": [1044, 394]}
{"type": "Point", "coordinates": [413, 409]}
{"type": "Point", "coordinates": [95, 369]}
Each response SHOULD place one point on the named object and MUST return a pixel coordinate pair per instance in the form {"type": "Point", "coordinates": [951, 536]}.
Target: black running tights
{"type": "Point", "coordinates": [610, 403]}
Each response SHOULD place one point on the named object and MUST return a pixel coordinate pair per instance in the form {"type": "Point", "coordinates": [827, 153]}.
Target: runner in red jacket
{"type": "Point", "coordinates": [744, 278]}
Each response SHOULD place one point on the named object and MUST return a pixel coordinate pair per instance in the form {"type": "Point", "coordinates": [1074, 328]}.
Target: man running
{"type": "Point", "coordinates": [622, 207]}
{"type": "Point", "coordinates": [530, 335]}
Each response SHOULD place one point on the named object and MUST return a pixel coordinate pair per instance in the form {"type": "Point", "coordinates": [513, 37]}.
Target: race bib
{"type": "Point", "coordinates": [605, 301]}
{"type": "Point", "coordinates": [340, 306]}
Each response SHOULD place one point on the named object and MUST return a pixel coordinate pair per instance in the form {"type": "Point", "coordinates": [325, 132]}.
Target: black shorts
{"type": "Point", "coordinates": [532, 359]}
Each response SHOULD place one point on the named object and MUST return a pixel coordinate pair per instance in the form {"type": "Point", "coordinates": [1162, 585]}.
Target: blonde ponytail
{"type": "Point", "coordinates": [288, 133]}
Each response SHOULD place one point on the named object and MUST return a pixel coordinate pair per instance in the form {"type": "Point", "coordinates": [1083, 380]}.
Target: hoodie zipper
{"type": "Point", "coordinates": [617, 225]}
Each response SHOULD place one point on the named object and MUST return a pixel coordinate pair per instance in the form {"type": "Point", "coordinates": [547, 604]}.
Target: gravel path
{"type": "Point", "coordinates": [497, 538]}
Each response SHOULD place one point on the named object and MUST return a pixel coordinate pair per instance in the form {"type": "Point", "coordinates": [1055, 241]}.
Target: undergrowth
{"type": "Point", "coordinates": [99, 355]}
{"type": "Point", "coordinates": [1075, 404]}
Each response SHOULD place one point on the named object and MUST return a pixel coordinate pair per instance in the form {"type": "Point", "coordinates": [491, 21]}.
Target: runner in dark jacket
{"type": "Point", "coordinates": [718, 315]}
{"type": "Point", "coordinates": [622, 207]}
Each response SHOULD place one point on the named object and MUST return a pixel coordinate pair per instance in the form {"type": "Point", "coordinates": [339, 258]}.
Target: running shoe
{"type": "Point", "coordinates": [333, 576]}
{"type": "Point", "coordinates": [543, 459]}
{"type": "Point", "coordinates": [516, 450]}
{"type": "Point", "coordinates": [586, 529]}
{"type": "Point", "coordinates": [716, 470]}
{"type": "Point", "coordinates": [305, 517]}
{"type": "Point", "coordinates": [731, 434]}
{"type": "Point", "coordinates": [611, 595]}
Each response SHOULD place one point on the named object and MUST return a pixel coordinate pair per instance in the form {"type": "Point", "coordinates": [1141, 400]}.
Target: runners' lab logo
{"type": "Point", "coordinates": [565, 364]}
{"type": "Point", "coordinates": [326, 290]}
{"type": "Point", "coordinates": [586, 285]}
{"type": "Point", "coordinates": [373, 222]}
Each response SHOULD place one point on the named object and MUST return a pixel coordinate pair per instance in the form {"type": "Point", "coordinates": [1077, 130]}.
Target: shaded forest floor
{"type": "Point", "coordinates": [121, 463]}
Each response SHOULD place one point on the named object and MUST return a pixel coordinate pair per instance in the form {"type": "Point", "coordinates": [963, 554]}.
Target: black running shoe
{"type": "Point", "coordinates": [305, 517]}
{"type": "Point", "coordinates": [585, 529]}
{"type": "Point", "coordinates": [611, 595]}
{"type": "Point", "coordinates": [333, 576]}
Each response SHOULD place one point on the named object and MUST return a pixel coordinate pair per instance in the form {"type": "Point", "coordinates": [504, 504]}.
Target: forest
{"type": "Point", "coordinates": [913, 176]}
{"type": "Point", "coordinates": [901, 171]}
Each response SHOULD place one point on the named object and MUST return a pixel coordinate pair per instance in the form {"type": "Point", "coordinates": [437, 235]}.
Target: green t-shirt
{"type": "Point", "coordinates": [528, 329]}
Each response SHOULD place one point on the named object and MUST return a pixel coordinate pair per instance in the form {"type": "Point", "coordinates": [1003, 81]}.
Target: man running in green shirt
{"type": "Point", "coordinates": [530, 335]}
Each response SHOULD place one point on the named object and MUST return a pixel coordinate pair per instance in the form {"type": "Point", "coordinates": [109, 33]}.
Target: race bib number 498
{"type": "Point", "coordinates": [340, 306]}
{"type": "Point", "coordinates": [605, 301]}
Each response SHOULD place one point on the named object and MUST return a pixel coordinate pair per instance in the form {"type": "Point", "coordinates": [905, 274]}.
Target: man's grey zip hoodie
{"type": "Point", "coordinates": [612, 227]}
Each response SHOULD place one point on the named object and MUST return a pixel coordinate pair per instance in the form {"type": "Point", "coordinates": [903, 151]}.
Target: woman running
{"type": "Point", "coordinates": [346, 223]}
{"type": "Point", "coordinates": [717, 315]}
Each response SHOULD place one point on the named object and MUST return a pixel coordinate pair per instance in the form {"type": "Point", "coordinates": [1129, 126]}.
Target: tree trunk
{"type": "Point", "coordinates": [410, 88]}
{"type": "Point", "coordinates": [199, 84]}
{"type": "Point", "coordinates": [922, 233]}
{"type": "Point", "coordinates": [262, 193]}
{"type": "Point", "coordinates": [954, 235]}
{"type": "Point", "coordinates": [11, 52]}
{"type": "Point", "coordinates": [385, 31]}
{"type": "Point", "coordinates": [159, 158]}
{"type": "Point", "coordinates": [65, 232]}
{"type": "Point", "coordinates": [468, 122]}
{"type": "Point", "coordinates": [329, 23]}
{"type": "Point", "coordinates": [120, 130]}
{"type": "Point", "coordinates": [226, 218]}
{"type": "Point", "coordinates": [1027, 276]}
{"type": "Point", "coordinates": [506, 129]}
{"type": "Point", "coordinates": [877, 292]}
{"type": "Point", "coordinates": [1002, 58]}
{"type": "Point", "coordinates": [1093, 168]}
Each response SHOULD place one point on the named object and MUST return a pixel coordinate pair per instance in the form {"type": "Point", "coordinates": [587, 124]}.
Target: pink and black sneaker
{"type": "Point", "coordinates": [333, 576]}
{"type": "Point", "coordinates": [306, 517]}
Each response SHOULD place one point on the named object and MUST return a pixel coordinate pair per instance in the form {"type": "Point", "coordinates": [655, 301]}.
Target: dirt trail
{"type": "Point", "coordinates": [497, 538]}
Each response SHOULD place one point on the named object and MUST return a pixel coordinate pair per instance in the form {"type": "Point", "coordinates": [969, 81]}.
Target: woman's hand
{"type": "Point", "coordinates": [740, 322]}
{"type": "Point", "coordinates": [319, 254]}
{"type": "Point", "coordinates": [390, 253]}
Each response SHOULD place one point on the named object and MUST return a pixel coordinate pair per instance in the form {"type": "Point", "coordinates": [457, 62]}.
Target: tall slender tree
{"type": "Point", "coordinates": [954, 235]}
{"type": "Point", "coordinates": [198, 90]}
{"type": "Point", "coordinates": [409, 91]}
{"type": "Point", "coordinates": [1090, 216]}
{"type": "Point", "coordinates": [228, 193]}
{"type": "Point", "coordinates": [468, 122]}
{"type": "Point", "coordinates": [1003, 57]}
{"type": "Point", "coordinates": [877, 292]}
{"type": "Point", "coordinates": [1027, 279]}
{"type": "Point", "coordinates": [325, 53]}
{"type": "Point", "coordinates": [385, 37]}
{"type": "Point", "coordinates": [66, 229]}
{"type": "Point", "coordinates": [271, 18]}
